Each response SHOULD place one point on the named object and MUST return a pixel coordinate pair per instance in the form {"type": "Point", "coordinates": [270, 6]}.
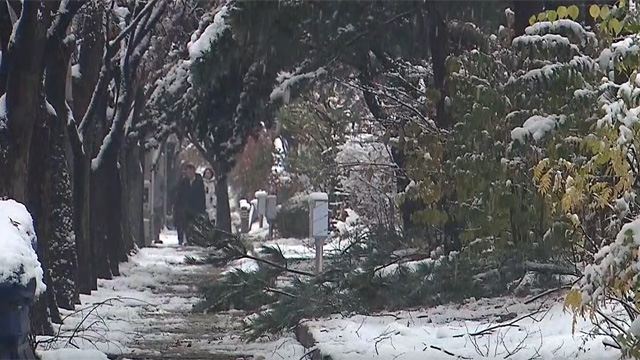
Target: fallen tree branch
{"type": "Point", "coordinates": [446, 352]}
{"type": "Point", "coordinates": [278, 266]}
{"type": "Point", "coordinates": [503, 325]}
{"type": "Point", "coordinates": [550, 268]}
{"type": "Point", "coordinates": [550, 291]}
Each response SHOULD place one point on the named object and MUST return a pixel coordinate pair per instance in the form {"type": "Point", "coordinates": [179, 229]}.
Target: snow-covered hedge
{"type": "Point", "coordinates": [18, 259]}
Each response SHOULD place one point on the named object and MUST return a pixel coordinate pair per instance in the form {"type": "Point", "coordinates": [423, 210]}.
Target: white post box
{"type": "Point", "coordinates": [245, 208]}
{"type": "Point", "coordinates": [261, 196]}
{"type": "Point", "coordinates": [319, 223]}
{"type": "Point", "coordinates": [271, 212]}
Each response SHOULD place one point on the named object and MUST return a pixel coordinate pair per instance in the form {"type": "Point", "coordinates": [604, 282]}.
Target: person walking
{"type": "Point", "coordinates": [190, 201]}
{"type": "Point", "coordinates": [210, 193]}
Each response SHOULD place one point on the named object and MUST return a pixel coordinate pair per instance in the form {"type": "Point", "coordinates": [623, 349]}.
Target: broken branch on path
{"type": "Point", "coordinates": [278, 266]}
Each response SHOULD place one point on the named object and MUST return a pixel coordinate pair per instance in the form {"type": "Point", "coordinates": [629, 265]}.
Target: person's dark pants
{"type": "Point", "coordinates": [187, 222]}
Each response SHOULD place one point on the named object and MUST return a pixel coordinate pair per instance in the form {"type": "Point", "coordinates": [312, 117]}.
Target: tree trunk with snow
{"type": "Point", "coordinates": [63, 259]}
{"type": "Point", "coordinates": [84, 81]}
{"type": "Point", "coordinates": [23, 97]}
{"type": "Point", "coordinates": [132, 160]}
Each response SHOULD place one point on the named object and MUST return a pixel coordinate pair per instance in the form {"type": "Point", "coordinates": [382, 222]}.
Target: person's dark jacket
{"type": "Point", "coordinates": [190, 197]}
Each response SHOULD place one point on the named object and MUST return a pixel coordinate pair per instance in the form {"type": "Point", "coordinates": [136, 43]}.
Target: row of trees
{"type": "Point", "coordinates": [74, 128]}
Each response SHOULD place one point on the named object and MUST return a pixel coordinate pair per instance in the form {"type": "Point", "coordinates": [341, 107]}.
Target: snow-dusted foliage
{"type": "Point", "coordinates": [368, 177]}
{"type": "Point", "coordinates": [201, 41]}
{"type": "Point", "coordinates": [286, 80]}
{"type": "Point", "coordinates": [18, 260]}
{"type": "Point", "coordinates": [536, 127]}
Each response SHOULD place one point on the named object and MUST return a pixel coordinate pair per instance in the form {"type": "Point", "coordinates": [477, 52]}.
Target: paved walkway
{"type": "Point", "coordinates": [146, 314]}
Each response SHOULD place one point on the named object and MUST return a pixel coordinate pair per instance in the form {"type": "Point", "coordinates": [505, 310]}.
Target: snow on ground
{"type": "Point", "coordinates": [147, 311]}
{"type": "Point", "coordinates": [430, 334]}
{"type": "Point", "coordinates": [73, 354]}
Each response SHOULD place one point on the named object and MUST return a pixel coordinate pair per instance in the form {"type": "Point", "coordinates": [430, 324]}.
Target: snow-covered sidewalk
{"type": "Point", "coordinates": [146, 314]}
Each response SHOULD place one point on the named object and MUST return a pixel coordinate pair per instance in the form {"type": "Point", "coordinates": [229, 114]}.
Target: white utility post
{"type": "Point", "coordinates": [271, 212]}
{"type": "Point", "coordinates": [261, 196]}
{"type": "Point", "coordinates": [319, 223]}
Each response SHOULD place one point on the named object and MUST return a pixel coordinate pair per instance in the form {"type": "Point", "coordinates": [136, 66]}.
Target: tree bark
{"type": "Point", "coordinates": [223, 216]}
{"type": "Point", "coordinates": [63, 257]}
{"type": "Point", "coordinates": [89, 63]}
{"type": "Point", "coordinates": [23, 96]}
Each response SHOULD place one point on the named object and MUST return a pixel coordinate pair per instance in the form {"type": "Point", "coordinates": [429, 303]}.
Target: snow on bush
{"type": "Point", "coordinates": [537, 127]}
{"type": "Point", "coordinates": [368, 177]}
{"type": "Point", "coordinates": [619, 51]}
{"type": "Point", "coordinates": [18, 259]}
{"type": "Point", "coordinates": [286, 80]}
{"type": "Point", "coordinates": [565, 27]}
{"type": "Point", "coordinates": [616, 265]}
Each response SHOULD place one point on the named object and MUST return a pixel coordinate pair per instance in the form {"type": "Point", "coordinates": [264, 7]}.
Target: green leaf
{"type": "Point", "coordinates": [615, 25]}
{"type": "Point", "coordinates": [604, 12]}
{"type": "Point", "coordinates": [562, 12]}
{"type": "Point", "coordinates": [573, 12]}
{"type": "Point", "coordinates": [552, 15]}
{"type": "Point", "coordinates": [542, 16]}
{"type": "Point", "coordinates": [432, 94]}
{"type": "Point", "coordinates": [594, 11]}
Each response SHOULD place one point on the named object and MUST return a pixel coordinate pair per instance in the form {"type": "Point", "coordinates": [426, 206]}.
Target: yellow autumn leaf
{"type": "Point", "coordinates": [545, 183]}
{"type": "Point", "coordinates": [604, 12]}
{"type": "Point", "coordinates": [532, 20]}
{"type": "Point", "coordinates": [573, 300]}
{"type": "Point", "coordinates": [538, 170]}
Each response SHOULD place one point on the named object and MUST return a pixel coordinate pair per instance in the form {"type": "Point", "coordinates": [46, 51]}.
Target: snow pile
{"type": "Point", "coordinates": [200, 45]}
{"type": "Point", "coordinates": [443, 333]}
{"type": "Point", "coordinates": [18, 259]}
{"type": "Point", "coordinates": [536, 127]}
